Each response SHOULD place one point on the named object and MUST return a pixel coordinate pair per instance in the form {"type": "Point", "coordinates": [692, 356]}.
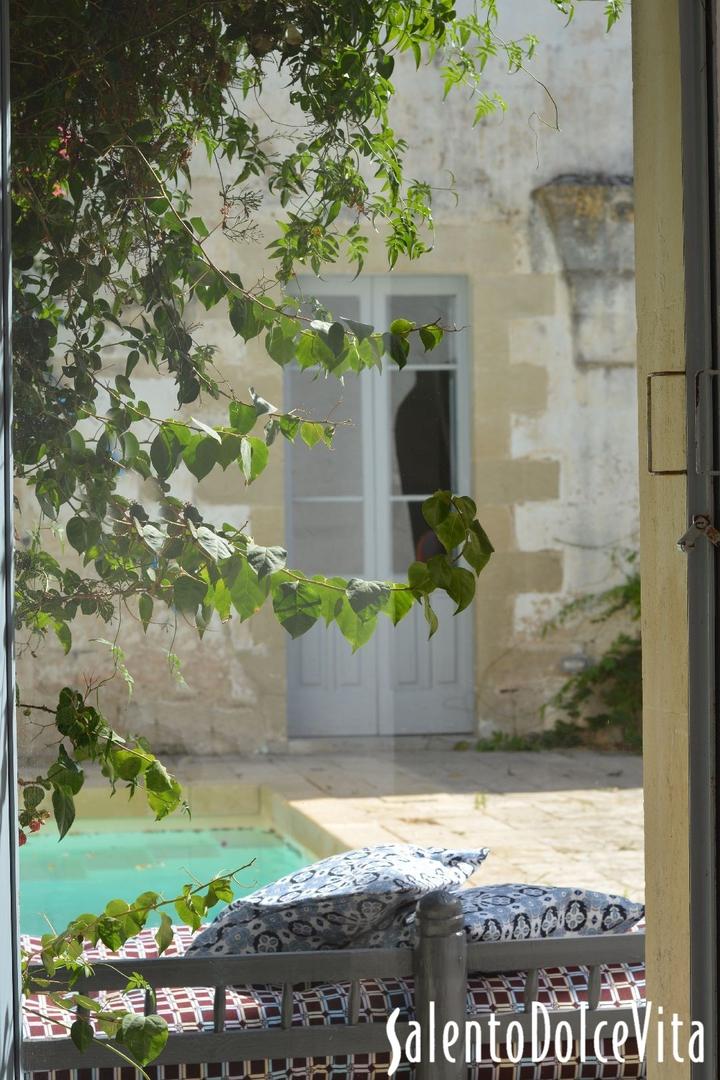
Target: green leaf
{"type": "Point", "coordinates": [123, 386]}
{"type": "Point", "coordinates": [82, 1033]}
{"type": "Point", "coordinates": [147, 900]}
{"type": "Point", "coordinates": [188, 593]}
{"type": "Point", "coordinates": [164, 935]}
{"type": "Point", "coordinates": [244, 318]}
{"type": "Point", "coordinates": [219, 889]}
{"type": "Point", "coordinates": [266, 560]}
{"type": "Point", "coordinates": [154, 538]}
{"type": "Point", "coordinates": [219, 598]}
{"type": "Point", "coordinates": [461, 588]}
{"type": "Point", "coordinates": [271, 429]}
{"type": "Point", "coordinates": [385, 66]}
{"type": "Point", "coordinates": [397, 605]}
{"type": "Point", "coordinates": [216, 546]}
{"type": "Point", "coordinates": [297, 606]}
{"type": "Point", "coordinates": [430, 336]}
{"type": "Point", "coordinates": [229, 450]}
{"type": "Point", "coordinates": [311, 351]}
{"type": "Point", "coordinates": [116, 907]}
{"type": "Point", "coordinates": [164, 793]}
{"type": "Point", "coordinates": [440, 570]}
{"type": "Point", "coordinates": [401, 326]}
{"type": "Point", "coordinates": [359, 329]}
{"type": "Point", "coordinates": [65, 773]}
{"type": "Point", "coordinates": [242, 417]}
{"type": "Point", "coordinates": [357, 627]}
{"type": "Point", "coordinates": [466, 508]}
{"type": "Point", "coordinates": [254, 456]}
{"type": "Point", "coordinates": [145, 608]}
{"type": "Point", "coordinates": [430, 616]}
{"type": "Point", "coordinates": [478, 549]}
{"type": "Point", "coordinates": [210, 432]}
{"type": "Point", "coordinates": [157, 205]}
{"type": "Point", "coordinates": [201, 455]}
{"type": "Point", "coordinates": [247, 592]}
{"type": "Point", "coordinates": [289, 426]}
{"type": "Point", "coordinates": [76, 532]}
{"type": "Point", "coordinates": [111, 933]}
{"type": "Point", "coordinates": [419, 579]}
{"type": "Point", "coordinates": [133, 359]}
{"type": "Point", "coordinates": [452, 532]}
{"type": "Point", "coordinates": [444, 520]}
{"type": "Point", "coordinates": [164, 452]}
{"type": "Point", "coordinates": [188, 915]}
{"type": "Point", "coordinates": [64, 636]}
{"type": "Point", "coordinates": [64, 810]}
{"type": "Point", "coordinates": [126, 765]}
{"type": "Point", "coordinates": [371, 352]}
{"type": "Point", "coordinates": [311, 433]}
{"type": "Point", "coordinates": [33, 795]}
{"type": "Point", "coordinates": [331, 598]}
{"type": "Point", "coordinates": [131, 447]}
{"type": "Point", "coordinates": [336, 338]}
{"type": "Point", "coordinates": [261, 405]}
{"type": "Point", "coordinates": [437, 508]}
{"type": "Point", "coordinates": [364, 595]}
{"type": "Point", "coordinates": [144, 1036]}
{"type": "Point", "coordinates": [397, 348]}
{"type": "Point", "coordinates": [137, 982]}
{"type": "Point", "coordinates": [279, 346]}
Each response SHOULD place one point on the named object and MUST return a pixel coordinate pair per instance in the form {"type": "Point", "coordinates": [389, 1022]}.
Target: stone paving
{"type": "Point", "coordinates": [566, 818]}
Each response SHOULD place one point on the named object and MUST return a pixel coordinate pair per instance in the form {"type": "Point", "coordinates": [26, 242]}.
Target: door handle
{"type": "Point", "coordinates": [701, 525]}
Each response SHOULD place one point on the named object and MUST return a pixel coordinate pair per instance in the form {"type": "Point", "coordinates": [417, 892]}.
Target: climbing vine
{"type": "Point", "coordinates": [111, 263]}
{"type": "Point", "coordinates": [607, 694]}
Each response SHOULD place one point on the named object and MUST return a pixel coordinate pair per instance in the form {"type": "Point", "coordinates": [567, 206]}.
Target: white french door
{"type": "Point", "coordinates": [356, 511]}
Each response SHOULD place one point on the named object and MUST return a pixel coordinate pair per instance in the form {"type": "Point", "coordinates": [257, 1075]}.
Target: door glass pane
{"type": "Point", "coordinates": [422, 435]}
{"type": "Point", "coordinates": [321, 470]}
{"type": "Point", "coordinates": [427, 309]}
{"type": "Point", "coordinates": [412, 538]}
{"type": "Point", "coordinates": [335, 304]}
{"type": "Point", "coordinates": [327, 538]}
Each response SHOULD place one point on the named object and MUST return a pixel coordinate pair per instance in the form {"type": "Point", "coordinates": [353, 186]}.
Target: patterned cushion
{"type": "Point", "coordinates": [328, 904]}
{"type": "Point", "coordinates": [261, 1007]}
{"type": "Point", "coordinates": [521, 912]}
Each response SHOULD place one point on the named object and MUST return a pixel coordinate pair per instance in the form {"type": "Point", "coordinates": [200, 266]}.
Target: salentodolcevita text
{"type": "Point", "coordinates": [535, 1037]}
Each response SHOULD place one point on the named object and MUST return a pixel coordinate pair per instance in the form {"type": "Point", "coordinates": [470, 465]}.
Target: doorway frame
{"type": "Point", "coordinates": [10, 1022]}
{"type": "Point", "coordinates": [674, 65]}
{"type": "Point", "coordinates": [372, 290]}
{"type": "Point", "coordinates": [699, 61]}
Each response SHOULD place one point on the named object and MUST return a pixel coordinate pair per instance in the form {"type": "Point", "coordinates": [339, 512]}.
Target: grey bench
{"type": "Point", "coordinates": [439, 964]}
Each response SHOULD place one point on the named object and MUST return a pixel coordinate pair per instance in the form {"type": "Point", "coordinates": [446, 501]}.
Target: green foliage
{"type": "Point", "coordinates": [87, 737]}
{"type": "Point", "coordinates": [608, 693]}
{"type": "Point", "coordinates": [561, 737]}
{"type": "Point", "coordinates": [613, 11]}
{"type": "Point", "coordinates": [109, 259]}
{"type": "Point", "coordinates": [54, 969]}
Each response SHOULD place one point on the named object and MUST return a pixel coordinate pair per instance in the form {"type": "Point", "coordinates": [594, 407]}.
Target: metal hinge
{"type": "Point", "coordinates": [701, 525]}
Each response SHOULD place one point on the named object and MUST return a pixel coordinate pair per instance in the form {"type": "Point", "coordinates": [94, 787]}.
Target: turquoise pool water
{"type": "Point", "coordinates": [84, 871]}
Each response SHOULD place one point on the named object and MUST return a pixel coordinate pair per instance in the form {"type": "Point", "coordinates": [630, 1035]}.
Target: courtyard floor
{"type": "Point", "coordinates": [571, 817]}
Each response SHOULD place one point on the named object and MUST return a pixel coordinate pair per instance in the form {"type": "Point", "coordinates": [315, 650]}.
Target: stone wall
{"type": "Point", "coordinates": [543, 233]}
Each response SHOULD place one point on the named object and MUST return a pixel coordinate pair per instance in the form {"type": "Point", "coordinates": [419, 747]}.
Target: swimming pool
{"type": "Point", "coordinates": [81, 873]}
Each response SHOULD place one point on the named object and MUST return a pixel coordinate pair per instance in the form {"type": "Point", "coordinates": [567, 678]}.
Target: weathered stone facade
{"type": "Point", "coordinates": [542, 233]}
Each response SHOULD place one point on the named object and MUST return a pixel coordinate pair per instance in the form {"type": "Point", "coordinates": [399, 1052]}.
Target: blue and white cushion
{"type": "Point", "coordinates": [329, 904]}
{"type": "Point", "coordinates": [520, 913]}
